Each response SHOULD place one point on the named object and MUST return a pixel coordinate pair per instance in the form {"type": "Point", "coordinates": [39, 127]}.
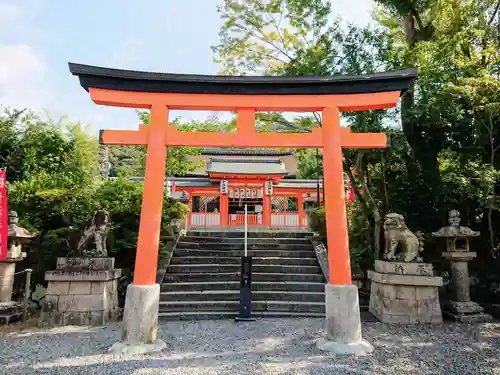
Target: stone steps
{"type": "Point", "coordinates": [204, 315]}
{"type": "Point", "coordinates": [252, 253]}
{"type": "Point", "coordinates": [234, 276]}
{"type": "Point", "coordinates": [252, 234]}
{"type": "Point", "coordinates": [228, 268]}
{"type": "Point", "coordinates": [312, 261]}
{"type": "Point", "coordinates": [241, 246]}
{"type": "Point", "coordinates": [318, 287]}
{"type": "Point", "coordinates": [232, 240]}
{"type": "Point", "coordinates": [234, 295]}
{"type": "Point", "coordinates": [233, 306]}
{"type": "Point", "coordinates": [203, 278]}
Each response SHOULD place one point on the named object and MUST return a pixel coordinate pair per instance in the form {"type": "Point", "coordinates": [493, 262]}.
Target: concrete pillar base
{"type": "Point", "coordinates": [343, 322]}
{"type": "Point", "coordinates": [140, 321]}
{"type": "Point", "coordinates": [359, 348]}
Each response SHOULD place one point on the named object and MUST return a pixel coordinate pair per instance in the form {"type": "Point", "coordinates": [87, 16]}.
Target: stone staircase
{"type": "Point", "coordinates": [202, 280]}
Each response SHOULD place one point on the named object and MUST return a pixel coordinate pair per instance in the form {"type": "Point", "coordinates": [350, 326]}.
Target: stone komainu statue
{"type": "Point", "coordinates": [96, 234]}
{"type": "Point", "coordinates": [398, 235]}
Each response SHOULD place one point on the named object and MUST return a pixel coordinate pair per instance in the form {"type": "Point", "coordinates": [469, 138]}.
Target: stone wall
{"type": "Point", "coordinates": [81, 291]}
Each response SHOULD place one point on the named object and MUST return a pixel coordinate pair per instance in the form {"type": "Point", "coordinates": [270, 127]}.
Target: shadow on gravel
{"type": "Point", "coordinates": [224, 348]}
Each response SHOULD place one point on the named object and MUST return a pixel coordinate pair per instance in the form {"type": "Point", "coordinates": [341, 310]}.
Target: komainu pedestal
{"type": "Point", "coordinates": [81, 291]}
{"type": "Point", "coordinates": [404, 292]}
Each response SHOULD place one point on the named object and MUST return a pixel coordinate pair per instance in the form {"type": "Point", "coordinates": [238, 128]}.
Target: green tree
{"type": "Point", "coordinates": [132, 160]}
{"type": "Point", "coordinates": [302, 38]}
{"type": "Point", "coordinates": [55, 185]}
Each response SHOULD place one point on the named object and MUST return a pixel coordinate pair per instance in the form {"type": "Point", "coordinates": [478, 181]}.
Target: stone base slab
{"type": "Point", "coordinates": [464, 307]}
{"type": "Point", "coordinates": [466, 312]}
{"type": "Point", "coordinates": [343, 321]}
{"type": "Point", "coordinates": [470, 318]}
{"type": "Point", "coordinates": [408, 296]}
{"type": "Point", "coordinates": [459, 256]}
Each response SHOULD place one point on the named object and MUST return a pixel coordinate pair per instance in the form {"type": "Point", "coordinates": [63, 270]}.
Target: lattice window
{"type": "Point", "coordinates": [206, 203]}
{"type": "Point", "coordinates": [284, 204]}
{"type": "Point", "coordinates": [278, 204]}
{"type": "Point", "coordinates": [292, 205]}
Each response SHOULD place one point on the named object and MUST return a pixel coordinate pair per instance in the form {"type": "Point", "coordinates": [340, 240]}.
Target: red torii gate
{"type": "Point", "coordinates": [245, 95]}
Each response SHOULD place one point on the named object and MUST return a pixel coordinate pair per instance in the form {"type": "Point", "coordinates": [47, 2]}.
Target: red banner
{"type": "Point", "coordinates": [4, 225]}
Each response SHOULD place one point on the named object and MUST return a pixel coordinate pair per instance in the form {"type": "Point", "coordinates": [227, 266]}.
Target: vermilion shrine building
{"type": "Point", "coordinates": [232, 178]}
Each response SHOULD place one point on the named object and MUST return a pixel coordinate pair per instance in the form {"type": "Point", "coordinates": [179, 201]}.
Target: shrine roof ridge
{"type": "Point", "coordinates": [245, 152]}
{"type": "Point", "coordinates": [140, 81]}
{"type": "Point", "coordinates": [249, 161]}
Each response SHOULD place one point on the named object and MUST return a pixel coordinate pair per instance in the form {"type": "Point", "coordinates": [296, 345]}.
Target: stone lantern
{"type": "Point", "coordinates": [17, 237]}
{"type": "Point", "coordinates": [458, 254]}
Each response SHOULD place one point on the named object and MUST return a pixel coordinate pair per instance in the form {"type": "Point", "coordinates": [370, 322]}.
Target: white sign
{"type": "Point", "coordinates": [245, 193]}
{"type": "Point", "coordinates": [169, 188]}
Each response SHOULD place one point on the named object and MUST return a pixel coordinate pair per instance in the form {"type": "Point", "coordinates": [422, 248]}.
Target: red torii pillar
{"type": "Point", "coordinates": [343, 325]}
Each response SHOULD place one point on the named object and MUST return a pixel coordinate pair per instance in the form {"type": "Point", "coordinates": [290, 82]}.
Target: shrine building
{"type": "Point", "coordinates": [229, 179]}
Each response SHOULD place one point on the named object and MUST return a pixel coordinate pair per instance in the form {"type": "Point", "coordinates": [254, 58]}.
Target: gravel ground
{"type": "Point", "coordinates": [281, 346]}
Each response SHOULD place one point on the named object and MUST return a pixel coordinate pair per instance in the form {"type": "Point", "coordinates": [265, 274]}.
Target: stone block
{"type": "Point", "coordinates": [414, 280]}
{"type": "Point", "coordinates": [402, 268]}
{"type": "Point", "coordinates": [404, 298]}
{"type": "Point", "coordinates": [58, 287]}
{"type": "Point", "coordinates": [65, 303]}
{"type": "Point", "coordinates": [464, 307]}
{"type": "Point", "coordinates": [103, 275]}
{"type": "Point", "coordinates": [83, 263]}
{"type": "Point", "coordinates": [459, 256]}
{"type": "Point", "coordinates": [426, 293]}
{"type": "Point", "coordinates": [82, 297]}
{"type": "Point", "coordinates": [91, 302]}
{"type": "Point", "coordinates": [399, 307]}
{"type": "Point", "coordinates": [405, 292]}
{"type": "Point", "coordinates": [63, 275]}
{"type": "Point", "coordinates": [98, 287]}
{"type": "Point", "coordinates": [80, 287]}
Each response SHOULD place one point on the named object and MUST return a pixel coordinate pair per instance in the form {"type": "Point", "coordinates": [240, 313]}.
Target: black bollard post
{"type": "Point", "coordinates": [245, 290]}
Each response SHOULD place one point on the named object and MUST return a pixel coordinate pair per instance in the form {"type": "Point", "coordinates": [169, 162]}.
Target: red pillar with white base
{"type": "Point", "coordinates": [343, 321]}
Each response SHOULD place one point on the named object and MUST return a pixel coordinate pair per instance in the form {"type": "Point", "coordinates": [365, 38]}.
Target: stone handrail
{"type": "Point", "coordinates": [322, 256]}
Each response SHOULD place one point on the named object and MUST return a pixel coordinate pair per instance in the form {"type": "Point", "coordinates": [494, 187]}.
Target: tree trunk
{"type": "Point", "coordinates": [491, 206]}
{"type": "Point", "coordinates": [371, 204]}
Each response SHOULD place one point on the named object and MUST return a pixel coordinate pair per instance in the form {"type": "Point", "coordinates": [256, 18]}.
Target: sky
{"type": "Point", "coordinates": [39, 37]}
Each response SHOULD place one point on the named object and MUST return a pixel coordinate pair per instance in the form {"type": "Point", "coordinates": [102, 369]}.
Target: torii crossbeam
{"type": "Point", "coordinates": [245, 96]}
